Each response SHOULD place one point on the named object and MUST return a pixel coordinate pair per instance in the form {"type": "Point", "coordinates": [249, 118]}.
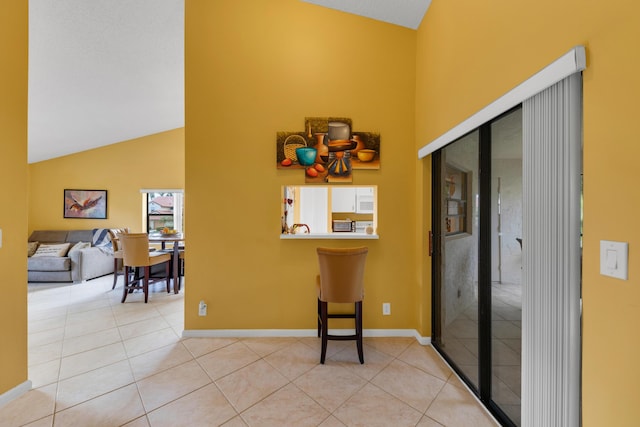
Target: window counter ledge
{"type": "Point", "coordinates": [330, 236]}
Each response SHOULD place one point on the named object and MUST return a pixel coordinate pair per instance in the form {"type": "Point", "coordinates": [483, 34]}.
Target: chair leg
{"type": "Point", "coordinates": [115, 273]}
{"type": "Point", "coordinates": [319, 322]}
{"type": "Point", "coordinates": [145, 286]}
{"type": "Point", "coordinates": [323, 320]}
{"type": "Point", "coordinates": [168, 277]}
{"type": "Point", "coordinates": [359, 330]}
{"type": "Point", "coordinates": [168, 268]}
{"type": "Point", "coordinates": [126, 285]}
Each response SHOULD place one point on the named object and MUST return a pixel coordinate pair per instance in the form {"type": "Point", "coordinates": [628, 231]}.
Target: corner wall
{"type": "Point", "coordinates": [154, 161]}
{"type": "Point", "coordinates": [13, 187]}
{"type": "Point", "coordinates": [468, 54]}
{"type": "Point", "coordinates": [257, 67]}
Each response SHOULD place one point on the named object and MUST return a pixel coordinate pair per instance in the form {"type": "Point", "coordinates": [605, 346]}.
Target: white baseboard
{"type": "Point", "coordinates": [273, 333]}
{"type": "Point", "coordinates": [14, 393]}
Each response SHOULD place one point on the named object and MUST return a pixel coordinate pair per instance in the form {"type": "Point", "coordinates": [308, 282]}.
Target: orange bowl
{"type": "Point", "coordinates": [366, 155]}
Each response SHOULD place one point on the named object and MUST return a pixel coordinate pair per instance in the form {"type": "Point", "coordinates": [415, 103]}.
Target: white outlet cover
{"type": "Point", "coordinates": [614, 259]}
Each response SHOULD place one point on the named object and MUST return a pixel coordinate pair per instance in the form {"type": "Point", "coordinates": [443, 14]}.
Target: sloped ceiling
{"type": "Point", "coordinates": [406, 13]}
{"type": "Point", "coordinates": [103, 71]}
{"type": "Point", "coordinates": [106, 71]}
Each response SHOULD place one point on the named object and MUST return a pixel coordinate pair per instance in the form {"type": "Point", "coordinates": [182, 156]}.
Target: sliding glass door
{"type": "Point", "coordinates": [478, 261]}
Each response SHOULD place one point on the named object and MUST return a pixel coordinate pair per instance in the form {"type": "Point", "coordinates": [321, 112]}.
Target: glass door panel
{"type": "Point", "coordinates": [459, 255]}
{"type": "Point", "coordinates": [506, 259]}
{"type": "Point", "coordinates": [478, 261]}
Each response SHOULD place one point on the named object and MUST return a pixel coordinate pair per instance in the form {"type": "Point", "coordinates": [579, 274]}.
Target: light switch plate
{"type": "Point", "coordinates": [614, 259]}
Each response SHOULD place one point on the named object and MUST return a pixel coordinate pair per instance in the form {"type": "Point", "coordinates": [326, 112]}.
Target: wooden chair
{"type": "Point", "coordinates": [340, 281]}
{"type": "Point", "coordinates": [136, 255]}
{"type": "Point", "coordinates": [118, 267]}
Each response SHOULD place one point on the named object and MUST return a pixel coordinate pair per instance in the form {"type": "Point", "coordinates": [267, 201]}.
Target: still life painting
{"type": "Point", "coordinates": [328, 150]}
{"type": "Point", "coordinates": [85, 204]}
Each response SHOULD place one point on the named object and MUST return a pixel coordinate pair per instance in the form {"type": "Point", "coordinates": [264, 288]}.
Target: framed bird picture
{"type": "Point", "coordinates": [85, 204]}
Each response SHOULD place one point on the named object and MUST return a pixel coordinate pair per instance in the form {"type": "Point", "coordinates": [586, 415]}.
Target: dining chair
{"type": "Point", "coordinates": [180, 274]}
{"type": "Point", "coordinates": [341, 280]}
{"type": "Point", "coordinates": [136, 255]}
{"type": "Point", "coordinates": [118, 267]}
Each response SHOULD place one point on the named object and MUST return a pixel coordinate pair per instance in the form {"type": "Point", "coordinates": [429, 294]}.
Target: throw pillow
{"type": "Point", "coordinates": [31, 248]}
{"type": "Point", "coordinates": [60, 249]}
{"type": "Point", "coordinates": [78, 246]}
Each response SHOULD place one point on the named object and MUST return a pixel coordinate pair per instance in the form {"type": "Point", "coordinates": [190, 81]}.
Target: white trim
{"type": "Point", "coordinates": [333, 236]}
{"type": "Point", "coordinates": [161, 190]}
{"type": "Point", "coordinates": [571, 62]}
{"type": "Point", "coordinates": [14, 393]}
{"type": "Point", "coordinates": [273, 333]}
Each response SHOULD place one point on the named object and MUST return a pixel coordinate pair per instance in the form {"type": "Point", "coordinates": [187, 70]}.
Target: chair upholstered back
{"type": "Point", "coordinates": [115, 241]}
{"type": "Point", "coordinates": [135, 247]}
{"type": "Point", "coordinates": [341, 277]}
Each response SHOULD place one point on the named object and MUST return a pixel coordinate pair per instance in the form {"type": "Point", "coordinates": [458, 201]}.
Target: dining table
{"type": "Point", "coordinates": [174, 238]}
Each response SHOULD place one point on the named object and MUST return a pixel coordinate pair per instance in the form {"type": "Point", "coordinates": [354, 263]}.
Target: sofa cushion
{"type": "Point", "coordinates": [78, 246]}
{"type": "Point", "coordinates": [79, 236]}
{"type": "Point", "coordinates": [49, 263]}
{"type": "Point", "coordinates": [48, 236]}
{"type": "Point", "coordinates": [48, 250]}
{"type": "Point", "coordinates": [31, 248]}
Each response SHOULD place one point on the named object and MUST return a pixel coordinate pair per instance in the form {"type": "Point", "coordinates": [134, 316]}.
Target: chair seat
{"type": "Point", "coordinates": [158, 257]}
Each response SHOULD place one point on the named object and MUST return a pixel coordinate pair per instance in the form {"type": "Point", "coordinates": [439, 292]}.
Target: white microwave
{"type": "Point", "coordinates": [364, 203]}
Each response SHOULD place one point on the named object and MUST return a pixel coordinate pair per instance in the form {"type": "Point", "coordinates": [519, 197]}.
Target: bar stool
{"type": "Point", "coordinates": [340, 281]}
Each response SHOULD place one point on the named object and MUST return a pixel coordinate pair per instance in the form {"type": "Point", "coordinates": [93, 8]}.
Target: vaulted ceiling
{"type": "Point", "coordinates": [106, 71]}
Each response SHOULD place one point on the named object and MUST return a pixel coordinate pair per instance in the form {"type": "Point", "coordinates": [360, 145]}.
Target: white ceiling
{"type": "Point", "coordinates": [103, 71]}
{"type": "Point", "coordinates": [106, 71]}
{"type": "Point", "coordinates": [406, 13]}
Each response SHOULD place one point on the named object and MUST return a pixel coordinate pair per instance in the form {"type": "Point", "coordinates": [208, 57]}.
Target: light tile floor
{"type": "Point", "coordinates": [96, 362]}
{"type": "Point", "coordinates": [460, 342]}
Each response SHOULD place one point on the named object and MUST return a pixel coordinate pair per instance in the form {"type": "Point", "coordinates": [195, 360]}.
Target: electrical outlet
{"type": "Point", "coordinates": [386, 308]}
{"type": "Point", "coordinates": [202, 309]}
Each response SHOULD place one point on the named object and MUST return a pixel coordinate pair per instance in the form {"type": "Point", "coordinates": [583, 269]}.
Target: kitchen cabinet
{"type": "Point", "coordinates": [343, 199]}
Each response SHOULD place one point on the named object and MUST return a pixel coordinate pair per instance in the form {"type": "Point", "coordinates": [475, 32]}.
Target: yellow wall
{"type": "Point", "coordinates": [256, 67]}
{"type": "Point", "coordinates": [154, 161]}
{"type": "Point", "coordinates": [468, 54]}
{"type": "Point", "coordinates": [13, 187]}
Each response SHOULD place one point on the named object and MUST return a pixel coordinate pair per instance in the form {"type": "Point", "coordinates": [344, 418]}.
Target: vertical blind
{"type": "Point", "coordinates": [552, 167]}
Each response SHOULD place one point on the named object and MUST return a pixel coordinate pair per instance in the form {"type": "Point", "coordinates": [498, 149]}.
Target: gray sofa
{"type": "Point", "coordinates": [77, 266]}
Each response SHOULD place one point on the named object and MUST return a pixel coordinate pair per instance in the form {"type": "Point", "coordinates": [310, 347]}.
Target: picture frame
{"type": "Point", "coordinates": [85, 204]}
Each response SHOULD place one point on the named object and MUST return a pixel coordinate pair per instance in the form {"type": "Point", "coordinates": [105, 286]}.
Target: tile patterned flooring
{"type": "Point", "coordinates": [96, 362]}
